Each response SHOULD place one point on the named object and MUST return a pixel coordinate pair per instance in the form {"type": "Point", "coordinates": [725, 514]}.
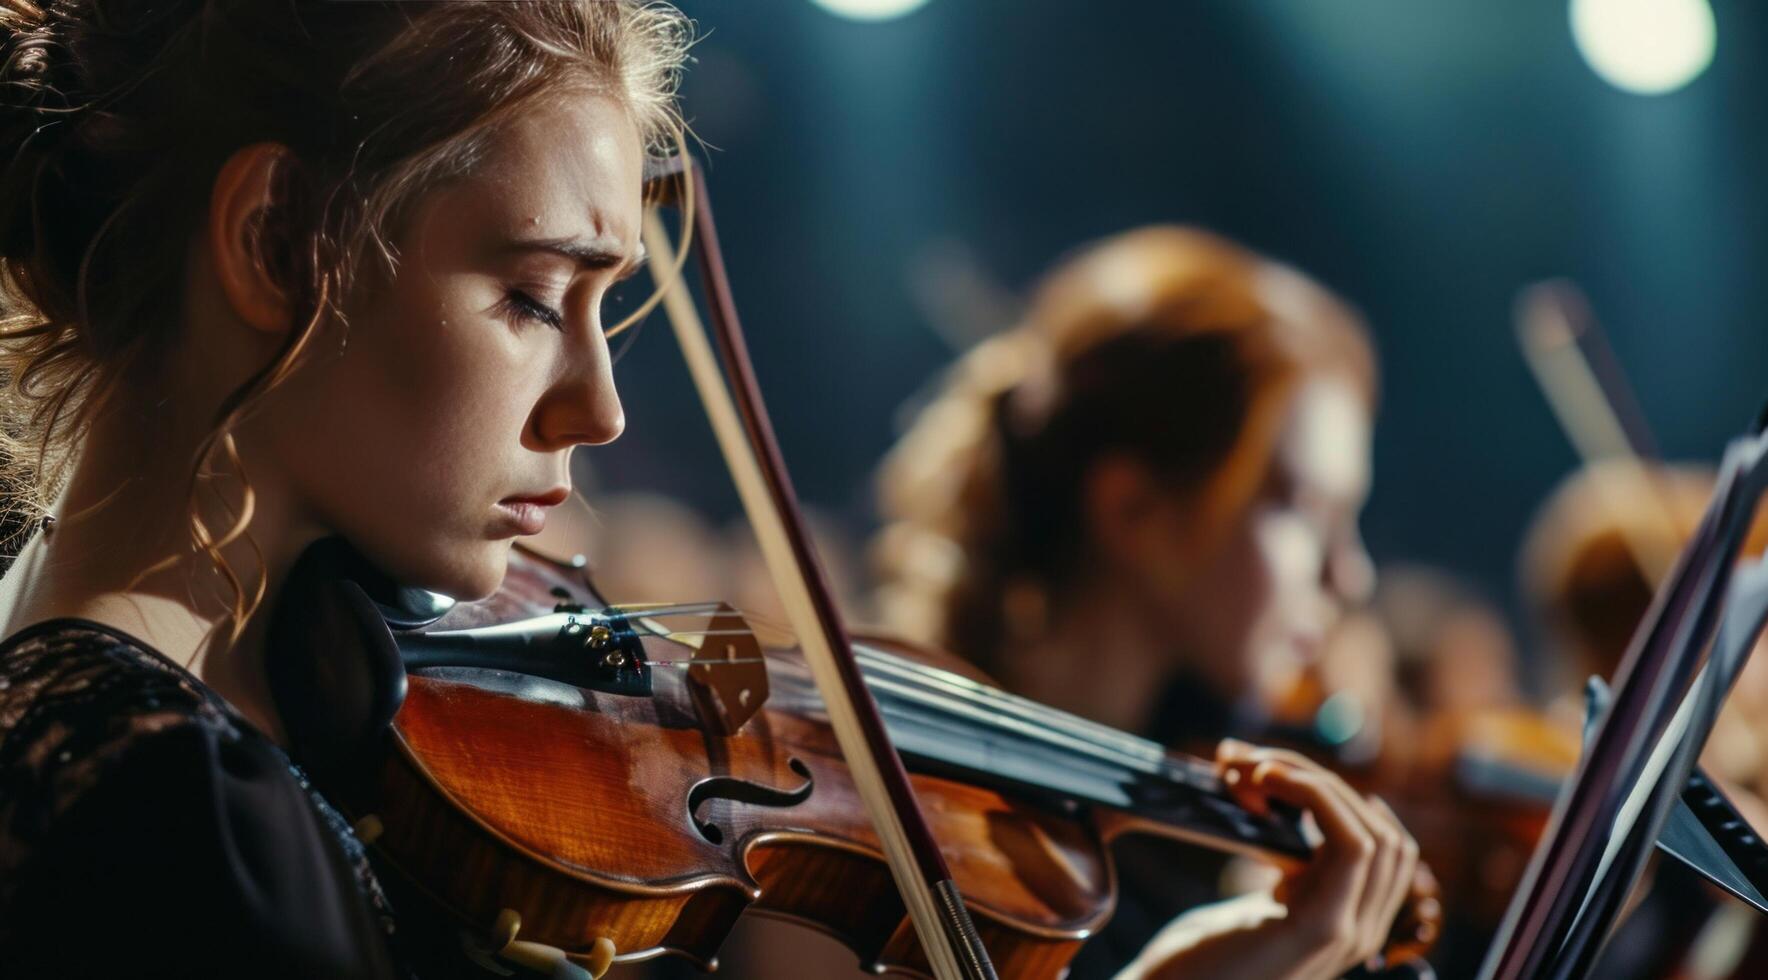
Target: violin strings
{"type": "Point", "coordinates": [652, 610]}
{"type": "Point", "coordinates": [929, 686]}
{"type": "Point", "coordinates": [705, 663]}
{"type": "Point", "coordinates": [955, 696]}
{"type": "Point", "coordinates": [673, 633]}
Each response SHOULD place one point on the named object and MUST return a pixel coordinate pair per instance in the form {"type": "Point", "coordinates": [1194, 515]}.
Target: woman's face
{"type": "Point", "coordinates": [440, 428]}
{"type": "Point", "coordinates": [1267, 592]}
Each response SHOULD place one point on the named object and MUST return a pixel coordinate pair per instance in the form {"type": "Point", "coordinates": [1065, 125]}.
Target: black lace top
{"type": "Point", "coordinates": [147, 830]}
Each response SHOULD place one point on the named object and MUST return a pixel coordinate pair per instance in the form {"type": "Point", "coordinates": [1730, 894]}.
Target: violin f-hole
{"type": "Point", "coordinates": [744, 791]}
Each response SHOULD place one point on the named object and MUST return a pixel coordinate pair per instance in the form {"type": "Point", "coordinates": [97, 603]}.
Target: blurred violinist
{"type": "Point", "coordinates": [1141, 504]}
{"type": "Point", "coordinates": [1589, 563]}
{"type": "Point", "coordinates": [1144, 498]}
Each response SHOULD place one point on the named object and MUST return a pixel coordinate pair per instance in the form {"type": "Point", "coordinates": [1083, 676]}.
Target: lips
{"type": "Point", "coordinates": [526, 513]}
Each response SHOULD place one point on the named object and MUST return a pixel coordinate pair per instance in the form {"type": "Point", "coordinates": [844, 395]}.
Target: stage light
{"type": "Point", "coordinates": [1648, 47]}
{"type": "Point", "coordinates": [873, 10]}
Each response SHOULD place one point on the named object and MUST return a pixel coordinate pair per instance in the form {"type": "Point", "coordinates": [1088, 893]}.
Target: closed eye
{"type": "Point", "coordinates": [520, 307]}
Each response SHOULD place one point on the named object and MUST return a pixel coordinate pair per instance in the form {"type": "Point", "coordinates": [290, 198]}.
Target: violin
{"type": "Point", "coordinates": [572, 783]}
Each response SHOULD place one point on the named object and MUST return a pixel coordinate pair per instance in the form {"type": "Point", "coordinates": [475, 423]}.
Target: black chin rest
{"type": "Point", "coordinates": [334, 671]}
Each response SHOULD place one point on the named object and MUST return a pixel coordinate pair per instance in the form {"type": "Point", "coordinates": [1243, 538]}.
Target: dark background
{"type": "Point", "coordinates": [882, 188]}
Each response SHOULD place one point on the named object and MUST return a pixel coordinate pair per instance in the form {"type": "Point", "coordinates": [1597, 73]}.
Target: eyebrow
{"type": "Point", "coordinates": [595, 253]}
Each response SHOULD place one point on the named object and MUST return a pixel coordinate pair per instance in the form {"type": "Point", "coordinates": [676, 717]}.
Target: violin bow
{"type": "Point", "coordinates": [1648, 738]}
{"type": "Point", "coordinates": [1577, 371]}
{"type": "Point", "coordinates": [746, 439]}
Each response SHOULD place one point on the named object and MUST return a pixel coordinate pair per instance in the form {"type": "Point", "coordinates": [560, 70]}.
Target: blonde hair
{"type": "Point", "coordinates": [116, 115]}
{"type": "Point", "coordinates": [1167, 344]}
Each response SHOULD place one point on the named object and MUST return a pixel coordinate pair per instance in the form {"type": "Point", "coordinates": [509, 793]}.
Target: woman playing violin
{"type": "Point", "coordinates": [284, 270]}
{"type": "Point", "coordinates": [1170, 452]}
{"type": "Point", "coordinates": [1141, 503]}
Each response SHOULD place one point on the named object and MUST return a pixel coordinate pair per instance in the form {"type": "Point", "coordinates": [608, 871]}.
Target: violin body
{"type": "Point", "coordinates": [567, 814]}
{"type": "Point", "coordinates": [573, 808]}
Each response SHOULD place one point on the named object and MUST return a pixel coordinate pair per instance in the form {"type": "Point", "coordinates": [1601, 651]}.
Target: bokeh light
{"type": "Point", "coordinates": [1648, 47]}
{"type": "Point", "coordinates": [871, 9]}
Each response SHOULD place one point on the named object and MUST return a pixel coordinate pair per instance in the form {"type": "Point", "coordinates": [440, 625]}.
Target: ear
{"type": "Point", "coordinates": [242, 204]}
{"type": "Point", "coordinates": [1127, 511]}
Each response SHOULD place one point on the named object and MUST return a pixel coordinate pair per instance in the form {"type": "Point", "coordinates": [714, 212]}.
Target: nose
{"type": "Point", "coordinates": [582, 406]}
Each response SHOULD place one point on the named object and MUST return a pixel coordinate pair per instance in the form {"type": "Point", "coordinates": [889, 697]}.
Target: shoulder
{"type": "Point", "coordinates": [81, 704]}
{"type": "Point", "coordinates": [64, 661]}
{"type": "Point", "coordinates": [77, 696]}
{"type": "Point", "coordinates": [128, 793]}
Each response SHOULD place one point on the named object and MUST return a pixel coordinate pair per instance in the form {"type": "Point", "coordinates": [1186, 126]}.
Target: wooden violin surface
{"type": "Point", "coordinates": [604, 816]}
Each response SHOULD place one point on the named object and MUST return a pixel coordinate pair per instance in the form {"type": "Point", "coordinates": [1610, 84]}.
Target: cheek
{"type": "Point", "coordinates": [1244, 584]}
{"type": "Point", "coordinates": [1293, 557]}
{"type": "Point", "coordinates": [454, 386]}
{"type": "Point", "coordinates": [404, 440]}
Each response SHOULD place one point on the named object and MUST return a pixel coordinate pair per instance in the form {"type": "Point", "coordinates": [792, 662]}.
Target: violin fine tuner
{"type": "Point", "coordinates": [595, 651]}
{"type": "Point", "coordinates": [553, 647]}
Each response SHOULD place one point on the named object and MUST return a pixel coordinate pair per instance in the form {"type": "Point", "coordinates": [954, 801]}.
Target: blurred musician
{"type": "Point", "coordinates": [1145, 496]}
{"type": "Point", "coordinates": [1141, 504]}
{"type": "Point", "coordinates": [1584, 578]}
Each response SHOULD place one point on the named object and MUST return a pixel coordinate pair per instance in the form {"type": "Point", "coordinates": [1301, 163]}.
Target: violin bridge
{"type": "Point", "coordinates": [728, 676]}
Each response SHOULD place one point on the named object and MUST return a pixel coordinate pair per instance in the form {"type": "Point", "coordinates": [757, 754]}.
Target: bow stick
{"type": "Point", "coordinates": [746, 439]}
{"type": "Point", "coordinates": [1584, 385]}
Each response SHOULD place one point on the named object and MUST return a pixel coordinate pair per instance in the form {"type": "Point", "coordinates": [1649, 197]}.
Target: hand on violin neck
{"type": "Point", "coordinates": [1337, 911]}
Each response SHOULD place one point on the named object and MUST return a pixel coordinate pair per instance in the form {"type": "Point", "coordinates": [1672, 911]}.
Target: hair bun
{"type": "Point", "coordinates": [27, 55]}
{"type": "Point", "coordinates": [36, 103]}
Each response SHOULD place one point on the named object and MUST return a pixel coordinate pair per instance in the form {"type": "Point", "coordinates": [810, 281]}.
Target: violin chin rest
{"type": "Point", "coordinates": [334, 671]}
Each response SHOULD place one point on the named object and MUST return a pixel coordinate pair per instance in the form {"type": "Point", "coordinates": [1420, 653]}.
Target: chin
{"type": "Point", "coordinates": [467, 574]}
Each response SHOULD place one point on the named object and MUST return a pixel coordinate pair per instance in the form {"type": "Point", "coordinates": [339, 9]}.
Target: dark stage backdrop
{"type": "Point", "coordinates": [885, 188]}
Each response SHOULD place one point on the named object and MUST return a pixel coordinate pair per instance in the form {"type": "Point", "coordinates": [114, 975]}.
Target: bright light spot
{"type": "Point", "coordinates": [1648, 47]}
{"type": "Point", "coordinates": [870, 9]}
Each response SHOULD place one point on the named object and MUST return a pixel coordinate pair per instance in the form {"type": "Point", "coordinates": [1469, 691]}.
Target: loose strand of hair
{"type": "Point", "coordinates": [679, 260]}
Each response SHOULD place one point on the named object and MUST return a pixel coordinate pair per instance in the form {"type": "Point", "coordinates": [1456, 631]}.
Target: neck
{"type": "Point", "coordinates": [121, 554]}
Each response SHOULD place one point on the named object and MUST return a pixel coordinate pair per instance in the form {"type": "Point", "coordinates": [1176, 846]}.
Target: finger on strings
{"type": "Point", "coordinates": [1375, 914]}
{"type": "Point", "coordinates": [1234, 764]}
{"type": "Point", "coordinates": [1237, 760]}
{"type": "Point", "coordinates": [1341, 867]}
{"type": "Point", "coordinates": [1313, 790]}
